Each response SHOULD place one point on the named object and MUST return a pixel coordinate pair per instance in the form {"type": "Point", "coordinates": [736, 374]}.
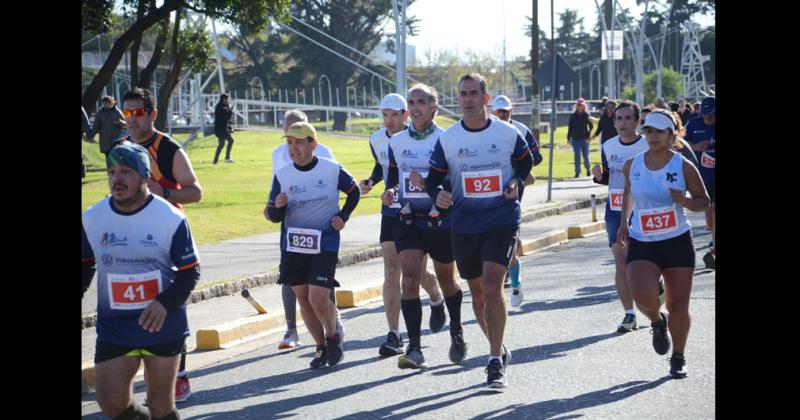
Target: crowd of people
{"type": "Point", "coordinates": [452, 195]}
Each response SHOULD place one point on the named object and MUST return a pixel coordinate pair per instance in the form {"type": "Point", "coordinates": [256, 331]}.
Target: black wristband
{"type": "Point", "coordinates": [167, 192]}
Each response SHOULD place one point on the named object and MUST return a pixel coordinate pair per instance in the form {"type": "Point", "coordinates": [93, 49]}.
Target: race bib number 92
{"type": "Point", "coordinates": [482, 184]}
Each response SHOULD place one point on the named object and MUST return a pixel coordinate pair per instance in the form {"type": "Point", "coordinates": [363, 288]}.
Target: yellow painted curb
{"type": "Point", "coordinates": [582, 231]}
{"type": "Point", "coordinates": [348, 298]}
{"type": "Point", "coordinates": [218, 336]}
{"type": "Point", "coordinates": [543, 241]}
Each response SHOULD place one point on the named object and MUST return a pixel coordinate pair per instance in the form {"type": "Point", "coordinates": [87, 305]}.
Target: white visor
{"type": "Point", "coordinates": [658, 121]}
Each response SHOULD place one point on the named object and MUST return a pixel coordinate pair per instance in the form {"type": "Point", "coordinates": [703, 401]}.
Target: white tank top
{"type": "Point", "coordinates": [655, 216]}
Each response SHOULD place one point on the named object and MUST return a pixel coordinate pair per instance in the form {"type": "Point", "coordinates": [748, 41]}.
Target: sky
{"type": "Point", "coordinates": [461, 30]}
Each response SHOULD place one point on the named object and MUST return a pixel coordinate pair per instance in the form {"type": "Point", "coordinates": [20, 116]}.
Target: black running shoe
{"type": "Point", "coordinates": [710, 260]}
{"type": "Point", "coordinates": [495, 375]}
{"type": "Point", "coordinates": [658, 329]}
{"type": "Point", "coordinates": [677, 367]}
{"type": "Point", "coordinates": [413, 359]}
{"type": "Point", "coordinates": [438, 317]}
{"type": "Point", "coordinates": [628, 324]}
{"type": "Point", "coordinates": [320, 358]}
{"type": "Point", "coordinates": [393, 346]}
{"type": "Point", "coordinates": [335, 351]}
{"type": "Point", "coordinates": [507, 281]}
{"type": "Point", "coordinates": [458, 348]}
{"type": "Point", "coordinates": [506, 356]}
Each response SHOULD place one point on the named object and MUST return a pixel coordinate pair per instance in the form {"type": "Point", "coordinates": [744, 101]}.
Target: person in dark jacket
{"type": "Point", "coordinates": [605, 126]}
{"type": "Point", "coordinates": [578, 135]}
{"type": "Point", "coordinates": [222, 127]}
{"type": "Point", "coordinates": [684, 111]}
{"type": "Point", "coordinates": [109, 123]}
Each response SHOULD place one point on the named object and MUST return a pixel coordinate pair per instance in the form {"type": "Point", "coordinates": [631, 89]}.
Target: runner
{"type": "Point", "coordinates": [420, 230]}
{"type": "Point", "coordinates": [172, 178]}
{"type": "Point", "coordinates": [393, 107]}
{"type": "Point", "coordinates": [660, 239]}
{"type": "Point", "coordinates": [701, 133]}
{"type": "Point", "coordinates": [280, 158]}
{"type": "Point", "coordinates": [614, 153]}
{"type": "Point", "coordinates": [149, 267]}
{"type": "Point", "coordinates": [305, 195]}
{"type": "Point", "coordinates": [477, 154]}
{"type": "Point", "coordinates": [502, 109]}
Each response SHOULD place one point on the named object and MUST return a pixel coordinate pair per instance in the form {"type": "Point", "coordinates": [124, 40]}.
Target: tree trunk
{"type": "Point", "coordinates": [158, 51]}
{"type": "Point", "coordinates": [172, 77]}
{"type": "Point", "coordinates": [134, 69]}
{"type": "Point", "coordinates": [92, 93]}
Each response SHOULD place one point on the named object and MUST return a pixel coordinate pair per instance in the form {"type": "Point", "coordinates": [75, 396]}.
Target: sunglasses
{"type": "Point", "coordinates": [135, 112]}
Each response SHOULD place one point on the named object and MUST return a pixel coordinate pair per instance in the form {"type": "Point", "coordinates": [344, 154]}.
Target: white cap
{"type": "Point", "coordinates": [658, 121]}
{"type": "Point", "coordinates": [393, 101]}
{"type": "Point", "coordinates": [501, 102]}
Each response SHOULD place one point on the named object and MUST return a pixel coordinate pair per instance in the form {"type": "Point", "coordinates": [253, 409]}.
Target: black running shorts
{"type": "Point", "coordinates": [669, 253]}
{"type": "Point", "coordinates": [386, 228]}
{"type": "Point", "coordinates": [471, 250]}
{"type": "Point", "coordinates": [317, 269]}
{"type": "Point", "coordinates": [435, 242]}
{"type": "Point", "coordinates": [106, 351]}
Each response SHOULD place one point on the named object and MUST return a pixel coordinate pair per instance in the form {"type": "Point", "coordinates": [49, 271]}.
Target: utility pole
{"type": "Point", "coordinates": [535, 67]}
{"type": "Point", "coordinates": [400, 49]}
{"type": "Point", "coordinates": [553, 87]}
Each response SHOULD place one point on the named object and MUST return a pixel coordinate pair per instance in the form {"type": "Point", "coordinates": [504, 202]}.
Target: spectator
{"type": "Point", "coordinates": [684, 111]}
{"type": "Point", "coordinates": [605, 126]}
{"type": "Point", "coordinates": [222, 127]}
{"type": "Point", "coordinates": [660, 103]}
{"type": "Point", "coordinates": [578, 135]}
{"type": "Point", "coordinates": [110, 123]}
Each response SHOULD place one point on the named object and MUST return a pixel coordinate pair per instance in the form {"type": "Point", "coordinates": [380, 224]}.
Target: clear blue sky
{"type": "Point", "coordinates": [479, 25]}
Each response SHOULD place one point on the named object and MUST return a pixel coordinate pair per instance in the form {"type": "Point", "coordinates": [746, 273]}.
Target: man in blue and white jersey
{"type": "Point", "coordinates": [148, 269]}
{"type": "Point", "coordinates": [701, 133]}
{"type": "Point", "coordinates": [393, 108]}
{"type": "Point", "coordinates": [280, 158]}
{"type": "Point", "coordinates": [502, 109]}
{"type": "Point", "coordinates": [477, 154]}
{"type": "Point", "coordinates": [305, 196]}
{"type": "Point", "coordinates": [614, 153]}
{"type": "Point", "coordinates": [420, 230]}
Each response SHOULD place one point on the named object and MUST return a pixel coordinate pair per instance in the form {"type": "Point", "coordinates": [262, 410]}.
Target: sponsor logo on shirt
{"type": "Point", "coordinates": [465, 152]}
{"type": "Point", "coordinates": [107, 260]}
{"type": "Point", "coordinates": [296, 189]}
{"type": "Point", "coordinates": [493, 149]}
{"type": "Point", "coordinates": [321, 184]}
{"type": "Point", "coordinates": [110, 239]}
{"type": "Point", "coordinates": [134, 261]}
{"type": "Point", "coordinates": [148, 241]}
{"type": "Point", "coordinates": [409, 154]}
{"type": "Point", "coordinates": [636, 175]}
{"type": "Point", "coordinates": [672, 177]}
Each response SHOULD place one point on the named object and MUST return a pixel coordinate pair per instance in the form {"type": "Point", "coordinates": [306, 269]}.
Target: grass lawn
{"type": "Point", "coordinates": [234, 195]}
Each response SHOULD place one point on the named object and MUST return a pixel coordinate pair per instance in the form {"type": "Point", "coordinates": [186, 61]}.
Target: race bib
{"type": "Point", "coordinates": [658, 221]}
{"type": "Point", "coordinates": [483, 184]}
{"type": "Point", "coordinates": [130, 292]}
{"type": "Point", "coordinates": [409, 190]}
{"type": "Point", "coordinates": [395, 201]}
{"type": "Point", "coordinates": [615, 199]}
{"type": "Point", "coordinates": [708, 161]}
{"type": "Point", "coordinates": [304, 241]}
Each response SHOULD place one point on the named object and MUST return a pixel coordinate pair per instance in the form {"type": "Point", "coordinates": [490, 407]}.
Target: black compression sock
{"type": "Point", "coordinates": [412, 314]}
{"type": "Point", "coordinates": [454, 309]}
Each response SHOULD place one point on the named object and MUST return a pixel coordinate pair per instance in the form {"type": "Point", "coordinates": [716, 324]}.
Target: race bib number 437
{"type": "Point", "coordinates": [133, 291]}
{"type": "Point", "coordinates": [304, 241]}
{"type": "Point", "coordinates": [482, 184]}
{"type": "Point", "coordinates": [658, 221]}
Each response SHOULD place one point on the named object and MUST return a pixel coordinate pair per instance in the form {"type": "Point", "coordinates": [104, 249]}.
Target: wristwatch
{"type": "Point", "coordinates": [166, 193]}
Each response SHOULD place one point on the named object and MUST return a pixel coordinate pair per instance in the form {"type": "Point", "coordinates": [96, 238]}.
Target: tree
{"type": "Point", "coordinates": [671, 86]}
{"type": "Point", "coordinates": [96, 16]}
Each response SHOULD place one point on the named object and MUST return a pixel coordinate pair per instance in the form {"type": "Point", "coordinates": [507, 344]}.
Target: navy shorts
{"type": "Point", "coordinates": [387, 223]}
{"type": "Point", "coordinates": [317, 269]}
{"type": "Point", "coordinates": [471, 250]}
{"type": "Point", "coordinates": [669, 253]}
{"type": "Point", "coordinates": [435, 242]}
{"type": "Point", "coordinates": [106, 351]}
{"type": "Point", "coordinates": [613, 220]}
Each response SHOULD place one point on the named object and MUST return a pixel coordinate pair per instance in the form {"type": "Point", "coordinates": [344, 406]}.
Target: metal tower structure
{"type": "Point", "coordinates": [694, 80]}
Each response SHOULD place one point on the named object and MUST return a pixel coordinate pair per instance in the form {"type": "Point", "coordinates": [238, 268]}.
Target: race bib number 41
{"type": "Point", "coordinates": [304, 241]}
{"type": "Point", "coordinates": [482, 184]}
{"type": "Point", "coordinates": [658, 221]}
{"type": "Point", "coordinates": [615, 199]}
{"type": "Point", "coordinates": [133, 291]}
{"type": "Point", "coordinates": [411, 191]}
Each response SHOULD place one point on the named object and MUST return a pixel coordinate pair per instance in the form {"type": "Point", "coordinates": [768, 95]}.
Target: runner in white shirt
{"type": "Point", "coordinates": [280, 158]}
{"type": "Point", "coordinates": [394, 110]}
{"type": "Point", "coordinates": [659, 240]}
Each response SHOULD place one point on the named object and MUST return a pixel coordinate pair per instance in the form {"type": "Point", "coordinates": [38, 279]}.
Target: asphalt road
{"type": "Point", "coordinates": [568, 361]}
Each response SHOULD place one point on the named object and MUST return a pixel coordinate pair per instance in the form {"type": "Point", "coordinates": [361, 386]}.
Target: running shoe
{"type": "Point", "coordinates": [710, 261]}
{"type": "Point", "coordinates": [182, 389]}
{"type": "Point", "coordinates": [506, 356]}
{"type": "Point", "coordinates": [290, 340]}
{"type": "Point", "coordinates": [516, 297]}
{"type": "Point", "coordinates": [495, 375]}
{"type": "Point", "coordinates": [393, 346]}
{"type": "Point", "coordinates": [413, 359]}
{"type": "Point", "coordinates": [320, 357]}
{"type": "Point", "coordinates": [628, 324]}
{"type": "Point", "coordinates": [458, 348]}
{"type": "Point", "coordinates": [438, 317]}
{"type": "Point", "coordinates": [335, 350]}
{"type": "Point", "coordinates": [677, 367]}
{"type": "Point", "coordinates": [658, 329]}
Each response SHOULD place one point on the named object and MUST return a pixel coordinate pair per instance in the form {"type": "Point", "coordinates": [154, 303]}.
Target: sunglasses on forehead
{"type": "Point", "coordinates": [135, 112]}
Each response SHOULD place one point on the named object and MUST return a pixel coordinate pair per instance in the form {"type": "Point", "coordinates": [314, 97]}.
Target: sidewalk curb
{"type": "Point", "coordinates": [586, 230]}
{"type": "Point", "coordinates": [236, 286]}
